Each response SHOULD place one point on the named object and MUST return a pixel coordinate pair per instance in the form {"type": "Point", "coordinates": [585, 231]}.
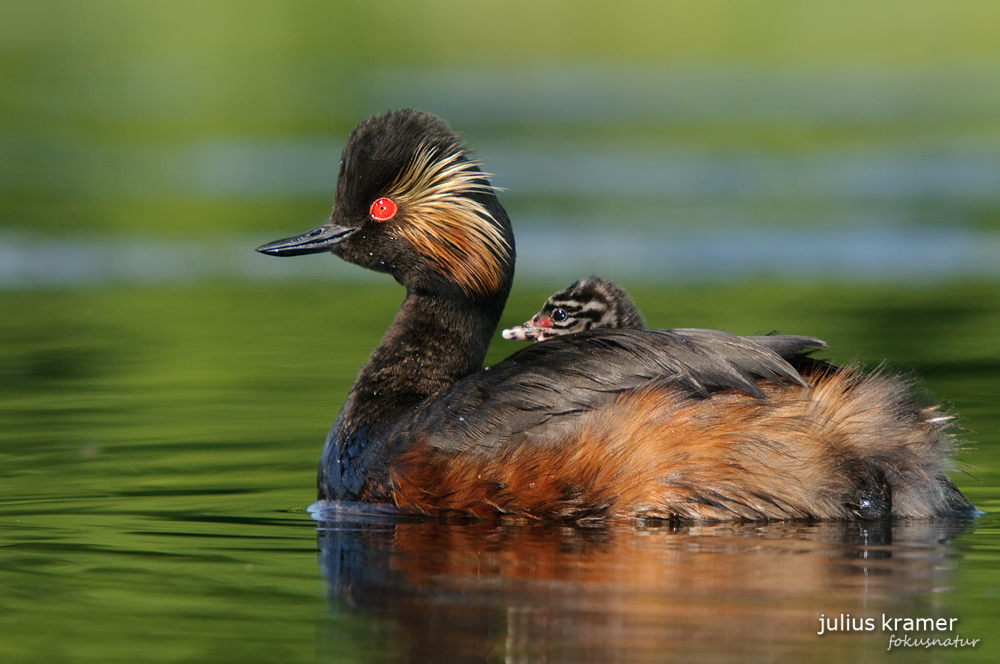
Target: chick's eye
{"type": "Point", "coordinates": [559, 315]}
{"type": "Point", "coordinates": [382, 209]}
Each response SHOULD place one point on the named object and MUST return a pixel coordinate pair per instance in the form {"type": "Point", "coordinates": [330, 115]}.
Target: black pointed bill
{"type": "Point", "coordinates": [321, 238]}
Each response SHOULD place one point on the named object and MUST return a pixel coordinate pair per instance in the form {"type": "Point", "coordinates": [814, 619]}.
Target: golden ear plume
{"type": "Point", "coordinates": [439, 219]}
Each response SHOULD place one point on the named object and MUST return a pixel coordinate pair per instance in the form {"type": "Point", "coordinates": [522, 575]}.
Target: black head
{"type": "Point", "coordinates": [412, 203]}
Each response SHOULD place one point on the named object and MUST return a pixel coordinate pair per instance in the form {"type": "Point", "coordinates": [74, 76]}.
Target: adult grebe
{"type": "Point", "coordinates": [588, 304]}
{"type": "Point", "coordinates": [602, 424]}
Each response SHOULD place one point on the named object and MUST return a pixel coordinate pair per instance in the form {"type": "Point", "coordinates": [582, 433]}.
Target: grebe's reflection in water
{"type": "Point", "coordinates": [720, 592]}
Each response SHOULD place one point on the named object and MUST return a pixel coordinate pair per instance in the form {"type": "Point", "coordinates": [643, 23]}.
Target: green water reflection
{"type": "Point", "coordinates": [159, 446]}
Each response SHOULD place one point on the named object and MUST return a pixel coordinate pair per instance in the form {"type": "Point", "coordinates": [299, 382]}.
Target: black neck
{"type": "Point", "coordinates": [433, 342]}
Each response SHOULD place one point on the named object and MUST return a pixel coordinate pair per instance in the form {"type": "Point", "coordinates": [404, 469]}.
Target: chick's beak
{"type": "Point", "coordinates": [525, 332]}
{"type": "Point", "coordinates": [519, 333]}
{"type": "Point", "coordinates": [321, 238]}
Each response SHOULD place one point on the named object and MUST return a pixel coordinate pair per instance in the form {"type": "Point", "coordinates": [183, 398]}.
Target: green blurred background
{"type": "Point", "coordinates": [195, 121]}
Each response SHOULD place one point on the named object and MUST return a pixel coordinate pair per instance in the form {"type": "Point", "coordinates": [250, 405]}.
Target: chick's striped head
{"type": "Point", "coordinates": [588, 304]}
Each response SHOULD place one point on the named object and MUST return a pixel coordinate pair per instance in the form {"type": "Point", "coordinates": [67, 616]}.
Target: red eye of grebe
{"type": "Point", "coordinates": [383, 209]}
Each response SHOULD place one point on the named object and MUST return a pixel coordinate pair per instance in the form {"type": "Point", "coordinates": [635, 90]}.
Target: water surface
{"type": "Point", "coordinates": [159, 449]}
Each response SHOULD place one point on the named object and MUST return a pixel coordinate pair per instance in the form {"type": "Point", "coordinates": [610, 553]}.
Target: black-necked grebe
{"type": "Point", "coordinates": [601, 424]}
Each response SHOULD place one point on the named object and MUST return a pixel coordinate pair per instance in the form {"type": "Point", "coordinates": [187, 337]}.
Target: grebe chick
{"type": "Point", "coordinates": [603, 424]}
{"type": "Point", "coordinates": [587, 304]}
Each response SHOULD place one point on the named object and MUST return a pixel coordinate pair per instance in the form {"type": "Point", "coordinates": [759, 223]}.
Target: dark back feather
{"type": "Point", "coordinates": [543, 389]}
